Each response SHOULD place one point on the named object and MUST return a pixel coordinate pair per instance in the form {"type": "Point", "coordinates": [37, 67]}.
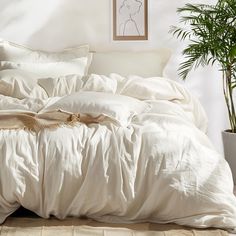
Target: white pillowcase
{"type": "Point", "coordinates": [61, 86]}
{"type": "Point", "coordinates": [13, 52]}
{"type": "Point", "coordinates": [76, 66]}
{"type": "Point", "coordinates": [125, 63]}
{"type": "Point", "coordinates": [64, 85]}
{"type": "Point", "coordinates": [119, 108]}
{"type": "Point", "coordinates": [17, 83]}
{"type": "Point", "coordinates": [156, 88]}
{"type": "Point", "coordinates": [38, 93]}
{"type": "Point", "coordinates": [100, 83]}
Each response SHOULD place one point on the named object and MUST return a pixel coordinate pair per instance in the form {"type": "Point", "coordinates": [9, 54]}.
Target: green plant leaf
{"type": "Point", "coordinates": [211, 34]}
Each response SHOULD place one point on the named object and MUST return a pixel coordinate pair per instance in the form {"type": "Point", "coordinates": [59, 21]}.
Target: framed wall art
{"type": "Point", "coordinates": [130, 19]}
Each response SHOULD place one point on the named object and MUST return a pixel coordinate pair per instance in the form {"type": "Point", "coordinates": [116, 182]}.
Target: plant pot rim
{"type": "Point", "coordinates": [228, 131]}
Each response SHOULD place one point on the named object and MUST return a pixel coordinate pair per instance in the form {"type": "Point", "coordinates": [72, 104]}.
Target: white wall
{"type": "Point", "coordinates": [55, 24]}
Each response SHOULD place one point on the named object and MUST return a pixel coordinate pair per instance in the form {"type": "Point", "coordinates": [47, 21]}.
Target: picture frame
{"type": "Point", "coordinates": [130, 19]}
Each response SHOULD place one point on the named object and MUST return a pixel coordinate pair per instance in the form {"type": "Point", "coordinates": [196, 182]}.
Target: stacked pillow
{"type": "Point", "coordinates": [17, 83]}
{"type": "Point", "coordinates": [20, 67]}
{"type": "Point", "coordinates": [13, 52]}
{"type": "Point", "coordinates": [28, 73]}
{"type": "Point", "coordinates": [114, 107]}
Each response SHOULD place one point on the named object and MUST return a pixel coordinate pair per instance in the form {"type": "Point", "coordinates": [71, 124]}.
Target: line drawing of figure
{"type": "Point", "coordinates": [129, 9]}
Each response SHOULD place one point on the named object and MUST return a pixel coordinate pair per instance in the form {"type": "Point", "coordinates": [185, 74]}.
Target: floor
{"type": "Point", "coordinates": [86, 227]}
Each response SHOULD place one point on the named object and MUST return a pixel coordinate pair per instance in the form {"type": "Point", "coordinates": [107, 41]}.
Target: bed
{"type": "Point", "coordinates": [128, 148]}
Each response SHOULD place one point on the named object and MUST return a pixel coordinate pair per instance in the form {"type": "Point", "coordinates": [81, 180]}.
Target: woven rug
{"type": "Point", "coordinates": [78, 227]}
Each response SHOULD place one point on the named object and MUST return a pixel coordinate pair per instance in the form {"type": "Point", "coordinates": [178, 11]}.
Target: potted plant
{"type": "Point", "coordinates": [211, 34]}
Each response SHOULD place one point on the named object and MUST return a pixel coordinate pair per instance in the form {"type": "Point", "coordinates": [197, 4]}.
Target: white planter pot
{"type": "Point", "coordinates": [229, 141]}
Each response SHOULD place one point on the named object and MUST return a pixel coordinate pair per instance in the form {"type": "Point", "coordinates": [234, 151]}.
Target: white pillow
{"type": "Point", "coordinates": [17, 83]}
{"type": "Point", "coordinates": [155, 88]}
{"type": "Point", "coordinates": [142, 63]}
{"type": "Point", "coordinates": [76, 66]}
{"type": "Point", "coordinates": [100, 83]}
{"type": "Point", "coordinates": [38, 93]}
{"type": "Point", "coordinates": [119, 108]}
{"type": "Point", "coordinates": [62, 85]}
{"type": "Point", "coordinates": [13, 52]}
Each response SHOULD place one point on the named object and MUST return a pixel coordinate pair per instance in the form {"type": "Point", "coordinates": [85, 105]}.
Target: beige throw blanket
{"type": "Point", "coordinates": [36, 122]}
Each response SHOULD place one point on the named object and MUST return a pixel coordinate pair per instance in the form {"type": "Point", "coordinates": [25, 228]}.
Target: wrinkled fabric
{"type": "Point", "coordinates": [161, 168]}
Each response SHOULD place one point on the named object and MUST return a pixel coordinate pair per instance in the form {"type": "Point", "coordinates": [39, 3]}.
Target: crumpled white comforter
{"type": "Point", "coordinates": [161, 168]}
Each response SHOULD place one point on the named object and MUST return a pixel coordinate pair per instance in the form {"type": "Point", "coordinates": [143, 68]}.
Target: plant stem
{"type": "Point", "coordinates": [225, 89]}
{"type": "Point", "coordinates": [233, 117]}
{"type": "Point", "coordinates": [228, 94]}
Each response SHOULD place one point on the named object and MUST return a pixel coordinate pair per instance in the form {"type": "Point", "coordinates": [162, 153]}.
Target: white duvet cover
{"type": "Point", "coordinates": [161, 168]}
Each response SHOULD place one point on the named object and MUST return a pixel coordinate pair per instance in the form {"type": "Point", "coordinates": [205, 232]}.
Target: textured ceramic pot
{"type": "Point", "coordinates": [229, 141]}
